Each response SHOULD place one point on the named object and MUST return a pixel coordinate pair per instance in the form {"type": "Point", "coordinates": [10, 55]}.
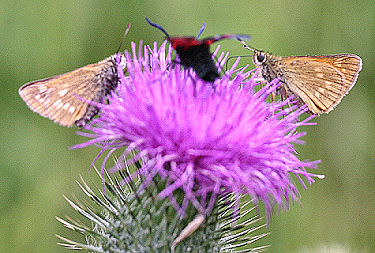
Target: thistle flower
{"type": "Point", "coordinates": [124, 221]}
{"type": "Point", "coordinates": [202, 141]}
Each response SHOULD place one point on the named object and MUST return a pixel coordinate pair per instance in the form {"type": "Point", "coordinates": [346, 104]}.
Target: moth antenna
{"type": "Point", "coordinates": [201, 30]}
{"type": "Point", "coordinates": [123, 37]}
{"type": "Point", "coordinates": [157, 26]}
{"type": "Point", "coordinates": [239, 37]}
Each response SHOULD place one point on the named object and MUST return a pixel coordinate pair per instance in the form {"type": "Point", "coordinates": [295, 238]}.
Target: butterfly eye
{"type": "Point", "coordinates": [261, 57]}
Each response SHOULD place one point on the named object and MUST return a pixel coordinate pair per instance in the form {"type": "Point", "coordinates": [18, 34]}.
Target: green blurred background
{"type": "Point", "coordinates": [44, 38]}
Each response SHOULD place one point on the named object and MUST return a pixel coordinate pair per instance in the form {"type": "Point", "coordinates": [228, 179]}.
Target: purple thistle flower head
{"type": "Point", "coordinates": [201, 140]}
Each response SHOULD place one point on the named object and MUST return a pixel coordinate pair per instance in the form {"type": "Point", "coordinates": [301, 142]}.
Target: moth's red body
{"type": "Point", "coordinates": [189, 41]}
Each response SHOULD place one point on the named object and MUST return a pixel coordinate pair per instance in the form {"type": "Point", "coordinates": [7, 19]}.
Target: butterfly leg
{"type": "Point", "coordinates": [282, 92]}
{"type": "Point", "coordinates": [284, 95]}
{"type": "Point", "coordinates": [273, 96]}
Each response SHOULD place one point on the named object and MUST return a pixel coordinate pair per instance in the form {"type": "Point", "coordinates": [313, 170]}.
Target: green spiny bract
{"type": "Point", "coordinates": [129, 220]}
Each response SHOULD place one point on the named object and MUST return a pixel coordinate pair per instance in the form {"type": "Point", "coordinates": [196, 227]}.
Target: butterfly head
{"type": "Point", "coordinates": [260, 57]}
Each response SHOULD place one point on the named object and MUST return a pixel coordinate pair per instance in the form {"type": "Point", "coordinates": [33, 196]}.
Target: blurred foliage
{"type": "Point", "coordinates": [44, 38]}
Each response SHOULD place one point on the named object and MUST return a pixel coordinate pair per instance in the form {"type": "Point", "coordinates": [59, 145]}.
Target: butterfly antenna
{"type": "Point", "coordinates": [234, 56]}
{"type": "Point", "coordinates": [124, 36]}
{"type": "Point", "coordinates": [157, 26]}
{"type": "Point", "coordinates": [246, 46]}
{"type": "Point", "coordinates": [201, 30]}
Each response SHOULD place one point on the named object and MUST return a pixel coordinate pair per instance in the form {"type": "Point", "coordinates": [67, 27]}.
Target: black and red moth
{"type": "Point", "coordinates": [195, 54]}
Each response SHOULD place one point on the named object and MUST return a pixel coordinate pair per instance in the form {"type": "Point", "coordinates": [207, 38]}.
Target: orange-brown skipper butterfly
{"type": "Point", "coordinates": [320, 82]}
{"type": "Point", "coordinates": [66, 98]}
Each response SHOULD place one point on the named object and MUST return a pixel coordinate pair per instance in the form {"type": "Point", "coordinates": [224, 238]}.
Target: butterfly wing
{"type": "Point", "coordinates": [63, 98]}
{"type": "Point", "coordinates": [321, 81]}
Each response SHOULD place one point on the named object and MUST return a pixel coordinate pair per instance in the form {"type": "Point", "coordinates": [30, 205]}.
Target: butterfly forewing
{"type": "Point", "coordinates": [321, 81]}
{"type": "Point", "coordinates": [64, 98]}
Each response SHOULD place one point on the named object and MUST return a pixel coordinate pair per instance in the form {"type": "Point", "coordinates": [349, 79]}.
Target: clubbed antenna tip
{"type": "Point", "coordinates": [124, 36]}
